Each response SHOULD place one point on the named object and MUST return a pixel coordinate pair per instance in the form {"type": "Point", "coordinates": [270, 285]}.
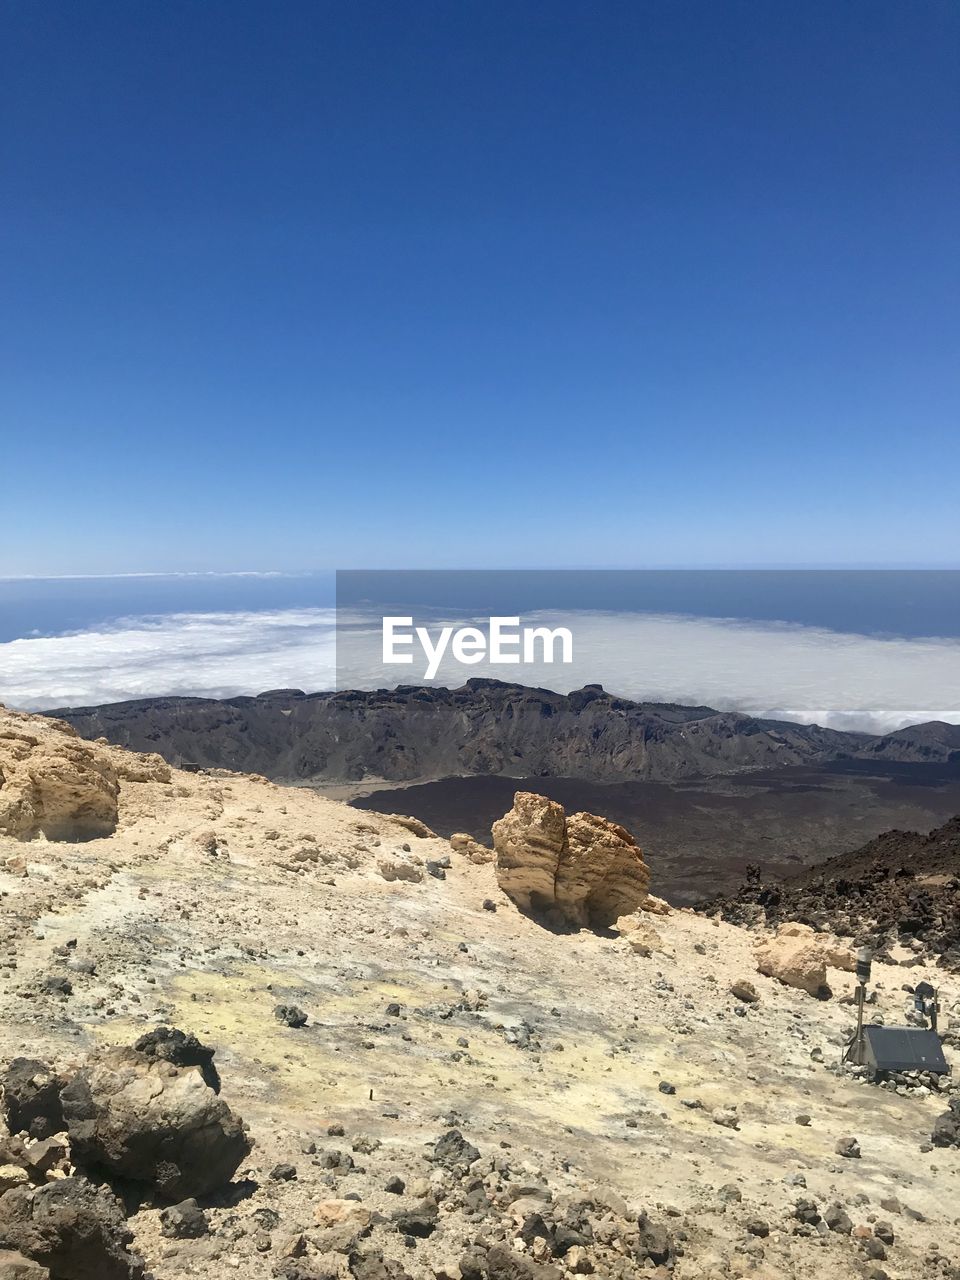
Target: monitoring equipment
{"type": "Point", "coordinates": [896, 1048]}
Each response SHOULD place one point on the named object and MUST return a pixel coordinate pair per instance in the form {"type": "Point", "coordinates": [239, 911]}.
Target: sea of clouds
{"type": "Point", "coordinates": [789, 672]}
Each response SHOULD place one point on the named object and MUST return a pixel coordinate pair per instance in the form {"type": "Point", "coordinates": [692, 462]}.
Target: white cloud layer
{"type": "Point", "coordinates": [201, 654]}
{"type": "Point", "coordinates": [789, 672]}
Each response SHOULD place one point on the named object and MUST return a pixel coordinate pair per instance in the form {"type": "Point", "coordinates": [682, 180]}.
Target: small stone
{"type": "Point", "coordinates": [420, 1223]}
{"type": "Point", "coordinates": [806, 1211]}
{"type": "Point", "coordinates": [290, 1015]}
{"type": "Point", "coordinates": [283, 1173]}
{"type": "Point", "coordinates": [849, 1148]}
{"type": "Point", "coordinates": [744, 991]}
{"type": "Point", "coordinates": [838, 1220]}
{"type": "Point", "coordinates": [726, 1117]}
{"type": "Point", "coordinates": [183, 1221]}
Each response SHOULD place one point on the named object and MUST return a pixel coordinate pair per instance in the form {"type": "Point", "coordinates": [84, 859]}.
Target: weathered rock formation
{"type": "Point", "coordinates": [580, 870]}
{"type": "Point", "coordinates": [54, 784]}
{"type": "Point", "coordinates": [640, 935]}
{"type": "Point", "coordinates": [136, 1114]}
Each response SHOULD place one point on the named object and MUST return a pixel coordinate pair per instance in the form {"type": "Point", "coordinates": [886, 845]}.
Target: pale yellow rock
{"type": "Point", "coordinates": [835, 954]}
{"type": "Point", "coordinates": [413, 825]}
{"type": "Point", "coordinates": [396, 870]}
{"type": "Point", "coordinates": [577, 1260]}
{"type": "Point", "coordinates": [583, 868]}
{"type": "Point", "coordinates": [794, 960]}
{"type": "Point", "coordinates": [462, 843]}
{"type": "Point", "coordinates": [331, 1213]}
{"type": "Point", "coordinates": [14, 1266]}
{"type": "Point", "coordinates": [11, 1175]}
{"type": "Point", "coordinates": [54, 784]}
{"type": "Point", "coordinates": [796, 936]}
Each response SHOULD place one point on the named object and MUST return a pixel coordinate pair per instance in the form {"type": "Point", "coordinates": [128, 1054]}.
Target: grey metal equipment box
{"type": "Point", "coordinates": [903, 1049]}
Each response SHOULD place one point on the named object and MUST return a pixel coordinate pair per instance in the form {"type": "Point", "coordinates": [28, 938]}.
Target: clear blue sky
{"type": "Point", "coordinates": [482, 282]}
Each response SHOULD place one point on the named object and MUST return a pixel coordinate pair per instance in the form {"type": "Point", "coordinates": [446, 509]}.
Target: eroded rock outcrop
{"type": "Point", "coordinates": [581, 870]}
{"type": "Point", "coordinates": [53, 784]}
{"type": "Point", "coordinates": [135, 1114]}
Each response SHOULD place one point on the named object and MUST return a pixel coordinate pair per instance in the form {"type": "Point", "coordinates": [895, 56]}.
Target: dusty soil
{"type": "Point", "coordinates": [222, 896]}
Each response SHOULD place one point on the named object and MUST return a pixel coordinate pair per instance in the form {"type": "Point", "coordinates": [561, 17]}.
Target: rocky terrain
{"type": "Point", "coordinates": [706, 830]}
{"type": "Point", "coordinates": [902, 888]}
{"type": "Point", "coordinates": [248, 1031]}
{"type": "Point", "coordinates": [485, 727]}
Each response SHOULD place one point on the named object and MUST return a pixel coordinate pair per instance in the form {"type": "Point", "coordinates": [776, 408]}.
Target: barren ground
{"type": "Point", "coordinates": [292, 909]}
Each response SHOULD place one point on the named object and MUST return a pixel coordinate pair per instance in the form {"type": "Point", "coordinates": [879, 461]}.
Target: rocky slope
{"type": "Point", "coordinates": [903, 887]}
{"type": "Point", "coordinates": [486, 727]}
{"type": "Point", "coordinates": [431, 1084]}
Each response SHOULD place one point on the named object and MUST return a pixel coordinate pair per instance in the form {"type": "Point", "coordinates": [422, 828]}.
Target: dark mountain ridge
{"type": "Point", "coordinates": [485, 727]}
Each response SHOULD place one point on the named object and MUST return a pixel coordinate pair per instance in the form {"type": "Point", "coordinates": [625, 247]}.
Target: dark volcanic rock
{"type": "Point", "coordinates": [485, 727]}
{"type": "Point", "coordinates": [502, 1264]}
{"type": "Point", "coordinates": [31, 1098]}
{"type": "Point", "coordinates": [183, 1221]}
{"type": "Point", "coordinates": [290, 1015]}
{"type": "Point", "coordinates": [172, 1045]}
{"type": "Point", "coordinates": [453, 1150]}
{"type": "Point", "coordinates": [373, 1266]}
{"type": "Point", "coordinates": [76, 1230]}
{"type": "Point", "coordinates": [946, 1127]}
{"type": "Point", "coordinates": [148, 1120]}
{"type": "Point", "coordinates": [903, 886]}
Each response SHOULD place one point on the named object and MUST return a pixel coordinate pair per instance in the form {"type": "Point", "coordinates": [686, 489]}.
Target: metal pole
{"type": "Point", "coordinates": [861, 995]}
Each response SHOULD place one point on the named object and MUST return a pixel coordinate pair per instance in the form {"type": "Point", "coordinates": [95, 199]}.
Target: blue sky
{"type": "Point", "coordinates": [322, 285]}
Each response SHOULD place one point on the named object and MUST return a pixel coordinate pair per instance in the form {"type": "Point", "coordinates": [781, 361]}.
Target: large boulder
{"type": "Point", "coordinates": [75, 1230]}
{"type": "Point", "coordinates": [835, 954]}
{"type": "Point", "coordinates": [54, 784]}
{"type": "Point", "coordinates": [795, 958]}
{"type": "Point", "coordinates": [136, 1114]}
{"type": "Point", "coordinates": [580, 870]}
